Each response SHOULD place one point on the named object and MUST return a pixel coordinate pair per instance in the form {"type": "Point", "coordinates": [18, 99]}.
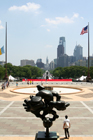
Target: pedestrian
{"type": "Point", "coordinates": [7, 84]}
{"type": "Point", "coordinates": [17, 84]}
{"type": "Point", "coordinates": [66, 126]}
{"type": "Point", "coordinates": [2, 86]}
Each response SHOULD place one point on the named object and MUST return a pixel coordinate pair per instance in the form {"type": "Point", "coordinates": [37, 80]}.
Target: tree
{"type": "Point", "coordinates": [2, 72]}
{"type": "Point", "coordinates": [70, 72]}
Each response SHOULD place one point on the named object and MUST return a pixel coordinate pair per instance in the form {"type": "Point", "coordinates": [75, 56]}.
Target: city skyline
{"type": "Point", "coordinates": [34, 28]}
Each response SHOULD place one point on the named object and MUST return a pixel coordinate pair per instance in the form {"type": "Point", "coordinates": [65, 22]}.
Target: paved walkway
{"type": "Point", "coordinates": [17, 124]}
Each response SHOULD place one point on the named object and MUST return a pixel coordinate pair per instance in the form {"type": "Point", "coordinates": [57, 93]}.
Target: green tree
{"type": "Point", "coordinates": [2, 72]}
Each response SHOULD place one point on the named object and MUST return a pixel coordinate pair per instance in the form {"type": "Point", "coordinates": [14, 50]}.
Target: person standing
{"type": "Point", "coordinates": [17, 84]}
{"type": "Point", "coordinates": [66, 126]}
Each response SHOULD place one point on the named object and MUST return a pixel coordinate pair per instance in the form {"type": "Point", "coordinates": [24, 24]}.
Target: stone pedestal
{"type": "Point", "coordinates": [41, 135]}
{"type": "Point", "coordinates": [48, 88]}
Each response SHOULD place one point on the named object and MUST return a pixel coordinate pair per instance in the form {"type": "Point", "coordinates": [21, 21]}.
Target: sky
{"type": "Point", "coordinates": [35, 26]}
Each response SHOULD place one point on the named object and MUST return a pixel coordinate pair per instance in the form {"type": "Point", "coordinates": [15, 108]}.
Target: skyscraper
{"type": "Point", "coordinates": [78, 52]}
{"type": "Point", "coordinates": [39, 60]}
{"type": "Point", "coordinates": [61, 49]}
{"type": "Point", "coordinates": [63, 42]}
{"type": "Point", "coordinates": [47, 61]}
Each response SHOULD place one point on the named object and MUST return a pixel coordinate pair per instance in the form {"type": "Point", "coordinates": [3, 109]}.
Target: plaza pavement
{"type": "Point", "coordinates": [17, 124]}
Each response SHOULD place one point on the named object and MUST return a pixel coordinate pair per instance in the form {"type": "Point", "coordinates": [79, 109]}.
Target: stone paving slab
{"type": "Point", "coordinates": [75, 112]}
{"type": "Point", "coordinates": [88, 95]}
{"type": "Point", "coordinates": [75, 104]}
{"type": "Point", "coordinates": [20, 126]}
{"type": "Point", "coordinates": [17, 104]}
{"type": "Point", "coordinates": [17, 138]}
{"type": "Point", "coordinates": [17, 112]}
{"type": "Point", "coordinates": [78, 127]}
{"type": "Point", "coordinates": [7, 95]}
{"type": "Point", "coordinates": [33, 138]}
{"type": "Point", "coordinates": [4, 103]}
{"type": "Point", "coordinates": [16, 121]}
{"type": "Point", "coordinates": [89, 103]}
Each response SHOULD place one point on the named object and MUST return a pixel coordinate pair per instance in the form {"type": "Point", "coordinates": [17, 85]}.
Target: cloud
{"type": "Point", "coordinates": [48, 46]}
{"type": "Point", "coordinates": [28, 7]}
{"type": "Point", "coordinates": [59, 20]}
{"type": "Point", "coordinates": [43, 25]}
{"type": "Point", "coordinates": [82, 18]}
{"type": "Point", "coordinates": [1, 27]}
{"type": "Point", "coordinates": [48, 30]}
{"type": "Point", "coordinates": [76, 15]}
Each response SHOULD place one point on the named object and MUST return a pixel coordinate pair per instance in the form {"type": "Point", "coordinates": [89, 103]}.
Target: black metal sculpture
{"type": "Point", "coordinates": [43, 104]}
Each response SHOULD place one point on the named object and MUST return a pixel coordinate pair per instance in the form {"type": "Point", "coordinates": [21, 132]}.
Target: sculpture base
{"type": "Point", "coordinates": [41, 136]}
{"type": "Point", "coordinates": [48, 88]}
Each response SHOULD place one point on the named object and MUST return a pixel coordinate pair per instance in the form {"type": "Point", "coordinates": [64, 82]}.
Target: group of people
{"type": "Point", "coordinates": [31, 82]}
{"type": "Point", "coordinates": [5, 84]}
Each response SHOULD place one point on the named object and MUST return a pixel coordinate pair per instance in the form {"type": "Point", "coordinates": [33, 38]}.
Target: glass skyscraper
{"type": "Point", "coordinates": [63, 43]}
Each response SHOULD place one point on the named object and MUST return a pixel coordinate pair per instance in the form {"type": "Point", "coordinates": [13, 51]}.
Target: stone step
{"type": "Point", "coordinates": [33, 138]}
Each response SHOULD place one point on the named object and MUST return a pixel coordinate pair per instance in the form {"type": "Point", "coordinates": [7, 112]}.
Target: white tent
{"type": "Point", "coordinates": [12, 78]}
{"type": "Point", "coordinates": [82, 78]}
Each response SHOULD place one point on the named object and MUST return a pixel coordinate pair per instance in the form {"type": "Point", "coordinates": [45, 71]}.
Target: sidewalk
{"type": "Point", "coordinates": [16, 124]}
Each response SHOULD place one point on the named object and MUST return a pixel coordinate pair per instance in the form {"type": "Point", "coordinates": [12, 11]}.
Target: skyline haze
{"type": "Point", "coordinates": [34, 28]}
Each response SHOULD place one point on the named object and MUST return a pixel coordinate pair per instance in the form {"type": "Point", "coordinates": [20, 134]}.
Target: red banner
{"type": "Point", "coordinates": [49, 80]}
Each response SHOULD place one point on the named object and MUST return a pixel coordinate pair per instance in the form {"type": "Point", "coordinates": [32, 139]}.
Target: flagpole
{"type": "Point", "coordinates": [6, 77]}
{"type": "Point", "coordinates": [88, 76]}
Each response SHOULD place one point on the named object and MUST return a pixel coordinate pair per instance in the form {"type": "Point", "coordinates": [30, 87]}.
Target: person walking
{"type": "Point", "coordinates": [66, 126]}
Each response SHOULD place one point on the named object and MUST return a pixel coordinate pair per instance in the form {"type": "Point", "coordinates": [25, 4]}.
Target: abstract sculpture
{"type": "Point", "coordinates": [44, 102]}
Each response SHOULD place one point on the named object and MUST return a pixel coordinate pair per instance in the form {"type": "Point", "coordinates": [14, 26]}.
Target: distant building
{"type": "Point", "coordinates": [46, 66]}
{"type": "Point", "coordinates": [78, 52]}
{"type": "Point", "coordinates": [52, 65]}
{"type": "Point", "coordinates": [90, 61]}
{"type": "Point", "coordinates": [39, 60]}
{"type": "Point", "coordinates": [47, 75]}
{"type": "Point", "coordinates": [2, 63]}
{"type": "Point", "coordinates": [63, 43]}
{"type": "Point", "coordinates": [55, 62]}
{"type": "Point", "coordinates": [81, 63]}
{"type": "Point", "coordinates": [71, 60]}
{"type": "Point", "coordinates": [47, 61]}
{"type": "Point", "coordinates": [40, 64]}
{"type": "Point", "coordinates": [63, 61]}
{"type": "Point", "coordinates": [61, 49]}
{"type": "Point", "coordinates": [27, 62]}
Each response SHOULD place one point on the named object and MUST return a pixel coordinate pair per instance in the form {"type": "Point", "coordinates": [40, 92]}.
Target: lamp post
{"type": "Point", "coordinates": [6, 77]}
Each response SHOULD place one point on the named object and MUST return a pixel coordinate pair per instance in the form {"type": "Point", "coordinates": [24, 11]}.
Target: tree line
{"type": "Point", "coordinates": [21, 72]}
{"type": "Point", "coordinates": [72, 72]}
{"type": "Point", "coordinates": [34, 72]}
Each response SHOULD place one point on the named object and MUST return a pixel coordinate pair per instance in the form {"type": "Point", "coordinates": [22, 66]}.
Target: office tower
{"type": "Point", "coordinates": [39, 60]}
{"type": "Point", "coordinates": [72, 59]}
{"type": "Point", "coordinates": [63, 61]}
{"type": "Point", "coordinates": [46, 67]}
{"type": "Point", "coordinates": [52, 65]}
{"type": "Point", "coordinates": [27, 62]}
{"type": "Point", "coordinates": [55, 61]}
{"type": "Point", "coordinates": [63, 43]}
{"type": "Point", "coordinates": [39, 63]}
{"type": "Point", "coordinates": [47, 61]}
{"type": "Point", "coordinates": [61, 49]}
{"type": "Point", "coordinates": [78, 52]}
